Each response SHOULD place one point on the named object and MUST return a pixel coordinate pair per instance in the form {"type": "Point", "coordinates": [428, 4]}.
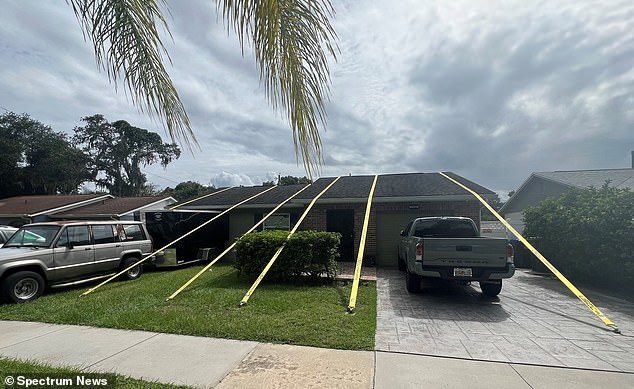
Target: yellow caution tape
{"type": "Point", "coordinates": [251, 290]}
{"type": "Point", "coordinates": [357, 270]}
{"type": "Point", "coordinates": [543, 259]}
{"type": "Point", "coordinates": [174, 241]}
{"type": "Point", "coordinates": [228, 249]}
{"type": "Point", "coordinates": [200, 198]}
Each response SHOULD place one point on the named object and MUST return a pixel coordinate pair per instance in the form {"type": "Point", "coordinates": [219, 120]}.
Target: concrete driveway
{"type": "Point", "coordinates": [535, 320]}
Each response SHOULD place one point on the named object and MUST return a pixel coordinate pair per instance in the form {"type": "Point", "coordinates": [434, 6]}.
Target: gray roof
{"type": "Point", "coordinates": [352, 188]}
{"type": "Point", "coordinates": [619, 178]}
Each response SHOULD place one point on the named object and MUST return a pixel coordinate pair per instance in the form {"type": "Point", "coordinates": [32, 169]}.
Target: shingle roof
{"type": "Point", "coordinates": [32, 205]}
{"type": "Point", "coordinates": [115, 206]}
{"type": "Point", "coordinates": [241, 193]}
{"type": "Point", "coordinates": [619, 178]}
{"type": "Point", "coordinates": [350, 187]}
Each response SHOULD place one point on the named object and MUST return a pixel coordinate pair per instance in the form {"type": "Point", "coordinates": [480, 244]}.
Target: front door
{"type": "Point", "coordinates": [342, 221]}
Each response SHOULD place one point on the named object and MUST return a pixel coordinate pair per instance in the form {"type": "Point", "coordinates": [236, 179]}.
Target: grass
{"type": "Point", "coordinates": [28, 369]}
{"type": "Point", "coordinates": [311, 315]}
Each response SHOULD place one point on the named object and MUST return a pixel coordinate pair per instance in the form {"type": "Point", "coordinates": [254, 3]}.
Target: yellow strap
{"type": "Point", "coordinates": [200, 198]}
{"type": "Point", "coordinates": [246, 297]}
{"type": "Point", "coordinates": [550, 266]}
{"type": "Point", "coordinates": [228, 249]}
{"type": "Point", "coordinates": [174, 241]}
{"type": "Point", "coordinates": [357, 270]}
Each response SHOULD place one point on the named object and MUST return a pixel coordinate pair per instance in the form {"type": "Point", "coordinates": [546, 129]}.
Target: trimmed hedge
{"type": "Point", "coordinates": [311, 253]}
{"type": "Point", "coordinates": [588, 234]}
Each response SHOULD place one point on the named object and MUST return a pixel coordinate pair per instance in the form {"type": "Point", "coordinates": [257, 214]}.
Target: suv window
{"type": "Point", "coordinates": [75, 235]}
{"type": "Point", "coordinates": [103, 233]}
{"type": "Point", "coordinates": [133, 232]}
{"type": "Point", "coordinates": [36, 236]}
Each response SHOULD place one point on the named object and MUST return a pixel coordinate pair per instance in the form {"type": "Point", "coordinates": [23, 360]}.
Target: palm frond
{"type": "Point", "coordinates": [291, 40]}
{"type": "Point", "coordinates": [127, 44]}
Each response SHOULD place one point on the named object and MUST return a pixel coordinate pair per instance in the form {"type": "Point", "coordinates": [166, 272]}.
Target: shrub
{"type": "Point", "coordinates": [588, 234]}
{"type": "Point", "coordinates": [311, 253]}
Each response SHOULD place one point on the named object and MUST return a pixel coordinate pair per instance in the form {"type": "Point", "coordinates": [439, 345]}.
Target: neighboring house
{"type": "Point", "coordinates": [20, 210]}
{"type": "Point", "coordinates": [119, 208]}
{"type": "Point", "coordinates": [398, 199]}
{"type": "Point", "coordinates": [541, 186]}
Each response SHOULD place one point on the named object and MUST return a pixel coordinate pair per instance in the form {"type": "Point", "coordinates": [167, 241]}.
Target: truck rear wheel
{"type": "Point", "coordinates": [412, 282]}
{"type": "Point", "coordinates": [401, 262]}
{"type": "Point", "coordinates": [491, 288]}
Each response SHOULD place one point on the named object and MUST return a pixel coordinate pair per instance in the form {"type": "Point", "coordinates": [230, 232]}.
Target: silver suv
{"type": "Point", "coordinates": [67, 253]}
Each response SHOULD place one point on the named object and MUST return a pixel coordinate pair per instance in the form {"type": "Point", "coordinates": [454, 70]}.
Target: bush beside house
{"type": "Point", "coordinates": [588, 234]}
{"type": "Point", "coordinates": [311, 253]}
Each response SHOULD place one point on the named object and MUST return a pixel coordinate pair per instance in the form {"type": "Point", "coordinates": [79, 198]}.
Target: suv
{"type": "Point", "coordinates": [68, 253]}
{"type": "Point", "coordinates": [5, 233]}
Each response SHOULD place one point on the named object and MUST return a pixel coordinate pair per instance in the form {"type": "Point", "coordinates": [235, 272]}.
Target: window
{"type": "Point", "coordinates": [445, 229]}
{"type": "Point", "coordinates": [278, 221]}
{"type": "Point", "coordinates": [37, 236]}
{"type": "Point", "coordinates": [132, 232]}
{"type": "Point", "coordinates": [103, 233]}
{"type": "Point", "coordinates": [74, 235]}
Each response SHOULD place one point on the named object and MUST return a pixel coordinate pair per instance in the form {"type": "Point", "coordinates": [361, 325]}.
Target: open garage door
{"type": "Point", "coordinates": [388, 227]}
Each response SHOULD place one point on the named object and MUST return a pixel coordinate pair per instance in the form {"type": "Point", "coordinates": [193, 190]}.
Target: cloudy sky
{"type": "Point", "coordinates": [491, 90]}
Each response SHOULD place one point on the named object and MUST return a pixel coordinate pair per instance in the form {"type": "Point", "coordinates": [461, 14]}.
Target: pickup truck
{"type": "Point", "coordinates": [451, 248]}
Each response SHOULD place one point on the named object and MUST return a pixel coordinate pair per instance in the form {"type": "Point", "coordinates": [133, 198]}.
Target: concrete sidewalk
{"type": "Point", "coordinates": [222, 363]}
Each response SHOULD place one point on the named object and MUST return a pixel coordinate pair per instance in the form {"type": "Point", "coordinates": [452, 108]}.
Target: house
{"type": "Point", "coordinates": [20, 210]}
{"type": "Point", "coordinates": [545, 185]}
{"type": "Point", "coordinates": [30, 209]}
{"type": "Point", "coordinates": [398, 199]}
{"type": "Point", "coordinates": [118, 208]}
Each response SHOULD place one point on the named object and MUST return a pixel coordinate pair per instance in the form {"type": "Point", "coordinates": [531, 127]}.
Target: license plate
{"type": "Point", "coordinates": [462, 272]}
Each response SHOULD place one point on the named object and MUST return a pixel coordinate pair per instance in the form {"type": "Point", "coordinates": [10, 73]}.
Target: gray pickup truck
{"type": "Point", "coordinates": [451, 248]}
{"type": "Point", "coordinates": [68, 253]}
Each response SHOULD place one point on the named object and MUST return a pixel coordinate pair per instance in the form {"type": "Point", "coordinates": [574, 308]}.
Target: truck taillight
{"type": "Point", "coordinates": [510, 252]}
{"type": "Point", "coordinates": [419, 251]}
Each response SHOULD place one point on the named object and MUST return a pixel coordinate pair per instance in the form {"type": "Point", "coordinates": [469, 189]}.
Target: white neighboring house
{"type": "Point", "coordinates": [545, 185]}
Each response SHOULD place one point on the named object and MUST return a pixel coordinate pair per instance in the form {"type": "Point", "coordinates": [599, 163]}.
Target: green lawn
{"type": "Point", "coordinates": [312, 315]}
{"type": "Point", "coordinates": [10, 367]}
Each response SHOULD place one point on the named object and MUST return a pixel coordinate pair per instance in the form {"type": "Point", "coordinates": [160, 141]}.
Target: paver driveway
{"type": "Point", "coordinates": [535, 320]}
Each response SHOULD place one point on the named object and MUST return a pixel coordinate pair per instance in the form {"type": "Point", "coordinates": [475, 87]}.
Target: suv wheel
{"type": "Point", "coordinates": [133, 273]}
{"type": "Point", "coordinates": [412, 282]}
{"type": "Point", "coordinates": [491, 289]}
{"type": "Point", "coordinates": [22, 286]}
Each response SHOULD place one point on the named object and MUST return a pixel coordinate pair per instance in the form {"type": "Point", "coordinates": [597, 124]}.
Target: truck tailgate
{"type": "Point", "coordinates": [467, 252]}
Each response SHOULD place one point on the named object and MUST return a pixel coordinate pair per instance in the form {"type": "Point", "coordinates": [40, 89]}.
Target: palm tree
{"type": "Point", "coordinates": [292, 40]}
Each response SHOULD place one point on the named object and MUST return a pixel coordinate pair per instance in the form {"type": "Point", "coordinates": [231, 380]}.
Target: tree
{"type": "Point", "coordinates": [587, 234]}
{"type": "Point", "coordinates": [292, 41]}
{"type": "Point", "coordinates": [117, 151]}
{"type": "Point", "coordinates": [289, 180]}
{"type": "Point", "coordinates": [34, 159]}
{"type": "Point", "coordinates": [496, 203]}
{"type": "Point", "coordinates": [187, 190]}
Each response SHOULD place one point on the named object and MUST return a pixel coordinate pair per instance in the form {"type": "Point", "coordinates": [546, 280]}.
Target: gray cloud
{"type": "Point", "coordinates": [490, 90]}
